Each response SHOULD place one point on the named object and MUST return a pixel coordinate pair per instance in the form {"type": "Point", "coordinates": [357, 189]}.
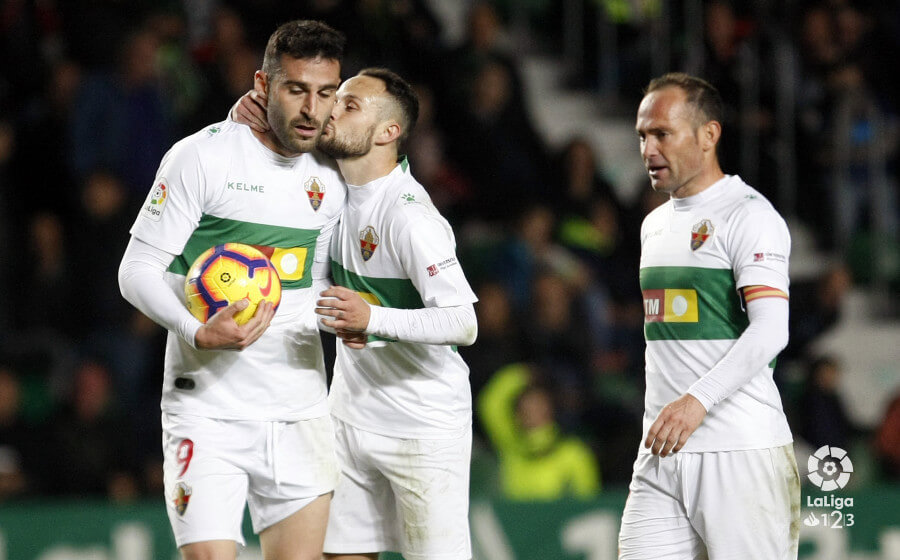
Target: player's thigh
{"type": "Point", "coordinates": [363, 516]}
{"type": "Point", "coordinates": [654, 522]}
{"type": "Point", "coordinates": [295, 465]}
{"type": "Point", "coordinates": [430, 481]}
{"type": "Point", "coordinates": [300, 535]}
{"type": "Point", "coordinates": [205, 490]}
{"type": "Point", "coordinates": [748, 504]}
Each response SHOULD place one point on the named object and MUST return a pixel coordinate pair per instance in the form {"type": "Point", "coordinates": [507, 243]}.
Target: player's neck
{"type": "Point", "coordinates": [270, 141]}
{"type": "Point", "coordinates": [378, 163]}
{"type": "Point", "coordinates": [700, 183]}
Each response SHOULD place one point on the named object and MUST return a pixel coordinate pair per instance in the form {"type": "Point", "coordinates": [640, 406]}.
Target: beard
{"type": "Point", "coordinates": [283, 128]}
{"type": "Point", "coordinates": [349, 146]}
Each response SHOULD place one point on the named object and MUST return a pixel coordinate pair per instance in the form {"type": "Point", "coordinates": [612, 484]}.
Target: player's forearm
{"type": "Point", "coordinates": [455, 325]}
{"type": "Point", "coordinates": [143, 285]}
{"type": "Point", "coordinates": [757, 346]}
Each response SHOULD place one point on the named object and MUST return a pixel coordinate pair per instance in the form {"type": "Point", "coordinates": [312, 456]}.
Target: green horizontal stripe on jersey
{"type": "Point", "coordinates": [720, 316]}
{"type": "Point", "coordinates": [213, 231]}
{"type": "Point", "coordinates": [399, 293]}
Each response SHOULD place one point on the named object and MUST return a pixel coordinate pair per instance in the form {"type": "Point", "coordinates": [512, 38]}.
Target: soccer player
{"type": "Point", "coordinates": [716, 475]}
{"type": "Point", "coordinates": [401, 403]}
{"type": "Point", "coordinates": [244, 407]}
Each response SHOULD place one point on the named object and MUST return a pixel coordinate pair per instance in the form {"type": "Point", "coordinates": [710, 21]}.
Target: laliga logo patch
{"type": "Point", "coordinates": [701, 231]}
{"type": "Point", "coordinates": [829, 468]}
{"type": "Point", "coordinates": [315, 190]}
{"type": "Point", "coordinates": [182, 497]}
{"type": "Point", "coordinates": [368, 242]}
{"type": "Point", "coordinates": [156, 201]}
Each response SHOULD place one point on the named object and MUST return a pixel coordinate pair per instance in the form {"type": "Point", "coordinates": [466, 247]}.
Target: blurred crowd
{"type": "Point", "coordinates": [93, 93]}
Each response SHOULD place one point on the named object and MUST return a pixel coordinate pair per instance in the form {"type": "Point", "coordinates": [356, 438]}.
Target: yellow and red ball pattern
{"type": "Point", "coordinates": [227, 273]}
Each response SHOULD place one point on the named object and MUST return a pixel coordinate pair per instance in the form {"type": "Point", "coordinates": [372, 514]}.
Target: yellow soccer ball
{"type": "Point", "coordinates": [227, 273]}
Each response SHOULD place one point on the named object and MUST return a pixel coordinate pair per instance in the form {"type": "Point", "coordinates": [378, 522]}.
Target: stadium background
{"type": "Point", "coordinates": [526, 144]}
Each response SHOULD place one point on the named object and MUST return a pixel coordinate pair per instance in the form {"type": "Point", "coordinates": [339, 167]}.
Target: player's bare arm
{"type": "Point", "coordinates": [222, 332]}
{"type": "Point", "coordinates": [251, 110]}
{"type": "Point", "coordinates": [674, 425]}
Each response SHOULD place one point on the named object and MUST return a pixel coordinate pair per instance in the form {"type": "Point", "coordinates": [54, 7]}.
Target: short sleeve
{"type": "Point", "coordinates": [173, 207]}
{"type": "Point", "coordinates": [760, 248]}
{"type": "Point", "coordinates": [428, 253]}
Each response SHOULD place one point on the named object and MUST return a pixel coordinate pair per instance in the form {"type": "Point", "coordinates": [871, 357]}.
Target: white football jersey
{"type": "Point", "coordinates": [696, 253]}
{"type": "Point", "coordinates": [395, 249]}
{"type": "Point", "coordinates": [222, 185]}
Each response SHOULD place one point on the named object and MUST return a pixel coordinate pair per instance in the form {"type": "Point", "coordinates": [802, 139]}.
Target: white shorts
{"type": "Point", "coordinates": [213, 467]}
{"type": "Point", "coordinates": [739, 505]}
{"type": "Point", "coordinates": [402, 495]}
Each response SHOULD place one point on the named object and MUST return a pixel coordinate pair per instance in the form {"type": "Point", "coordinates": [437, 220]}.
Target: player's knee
{"type": "Point", "coordinates": [210, 550]}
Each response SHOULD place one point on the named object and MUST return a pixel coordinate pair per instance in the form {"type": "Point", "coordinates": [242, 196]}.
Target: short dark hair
{"type": "Point", "coordinates": [402, 93]}
{"type": "Point", "coordinates": [302, 38]}
{"type": "Point", "coordinates": [702, 95]}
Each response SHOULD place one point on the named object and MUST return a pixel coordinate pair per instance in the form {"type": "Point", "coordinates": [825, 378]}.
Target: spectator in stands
{"type": "Point", "coordinates": [823, 416]}
{"type": "Point", "coordinates": [537, 461]}
{"type": "Point", "coordinates": [558, 339]}
{"type": "Point", "coordinates": [495, 143]}
{"type": "Point", "coordinates": [818, 51]}
{"type": "Point", "coordinates": [107, 325]}
{"type": "Point", "coordinates": [486, 40]}
{"type": "Point", "coordinates": [530, 248]}
{"type": "Point", "coordinates": [91, 437]}
{"type": "Point", "coordinates": [450, 190]}
{"type": "Point", "coordinates": [887, 441]}
{"type": "Point", "coordinates": [500, 338]}
{"type": "Point", "coordinates": [226, 63]}
{"type": "Point", "coordinates": [47, 110]}
{"type": "Point", "coordinates": [580, 177]}
{"type": "Point", "coordinates": [815, 307]}
{"type": "Point", "coordinates": [18, 447]}
{"type": "Point", "coordinates": [121, 120]}
{"type": "Point", "coordinates": [46, 269]}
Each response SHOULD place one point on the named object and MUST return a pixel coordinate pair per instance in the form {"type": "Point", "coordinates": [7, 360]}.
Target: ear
{"type": "Point", "coordinates": [261, 82]}
{"type": "Point", "coordinates": [390, 132]}
{"type": "Point", "coordinates": [710, 134]}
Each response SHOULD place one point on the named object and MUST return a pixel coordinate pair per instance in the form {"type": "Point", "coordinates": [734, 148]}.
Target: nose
{"type": "Point", "coordinates": [309, 106]}
{"type": "Point", "coordinates": [649, 148]}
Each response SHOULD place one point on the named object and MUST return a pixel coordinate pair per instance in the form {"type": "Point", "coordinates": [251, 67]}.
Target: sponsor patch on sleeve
{"type": "Point", "coordinates": [769, 256]}
{"type": "Point", "coordinates": [434, 269]}
{"type": "Point", "coordinates": [156, 200]}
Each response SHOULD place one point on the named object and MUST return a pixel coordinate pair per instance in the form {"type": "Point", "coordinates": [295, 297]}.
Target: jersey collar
{"type": "Point", "coordinates": [709, 193]}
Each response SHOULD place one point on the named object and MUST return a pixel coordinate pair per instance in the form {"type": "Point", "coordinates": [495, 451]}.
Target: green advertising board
{"type": "Point", "coordinates": [858, 525]}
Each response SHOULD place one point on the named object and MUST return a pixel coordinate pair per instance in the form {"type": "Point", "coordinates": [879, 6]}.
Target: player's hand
{"type": "Point", "coordinates": [674, 425]}
{"type": "Point", "coordinates": [352, 339]}
{"type": "Point", "coordinates": [221, 332]}
{"type": "Point", "coordinates": [251, 110]}
{"type": "Point", "coordinates": [344, 310]}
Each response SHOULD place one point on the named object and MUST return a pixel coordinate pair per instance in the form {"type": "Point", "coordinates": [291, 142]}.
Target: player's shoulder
{"type": "Point", "coordinates": [744, 197]}
{"type": "Point", "coordinates": [744, 200]}
{"type": "Point", "coordinates": [208, 142]}
{"type": "Point", "coordinates": [404, 197]}
{"type": "Point", "coordinates": [217, 134]}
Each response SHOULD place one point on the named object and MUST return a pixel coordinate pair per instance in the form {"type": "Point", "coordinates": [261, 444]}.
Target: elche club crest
{"type": "Point", "coordinates": [182, 497]}
{"type": "Point", "coordinates": [701, 231]}
{"type": "Point", "coordinates": [368, 242]}
{"type": "Point", "coordinates": [315, 190]}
